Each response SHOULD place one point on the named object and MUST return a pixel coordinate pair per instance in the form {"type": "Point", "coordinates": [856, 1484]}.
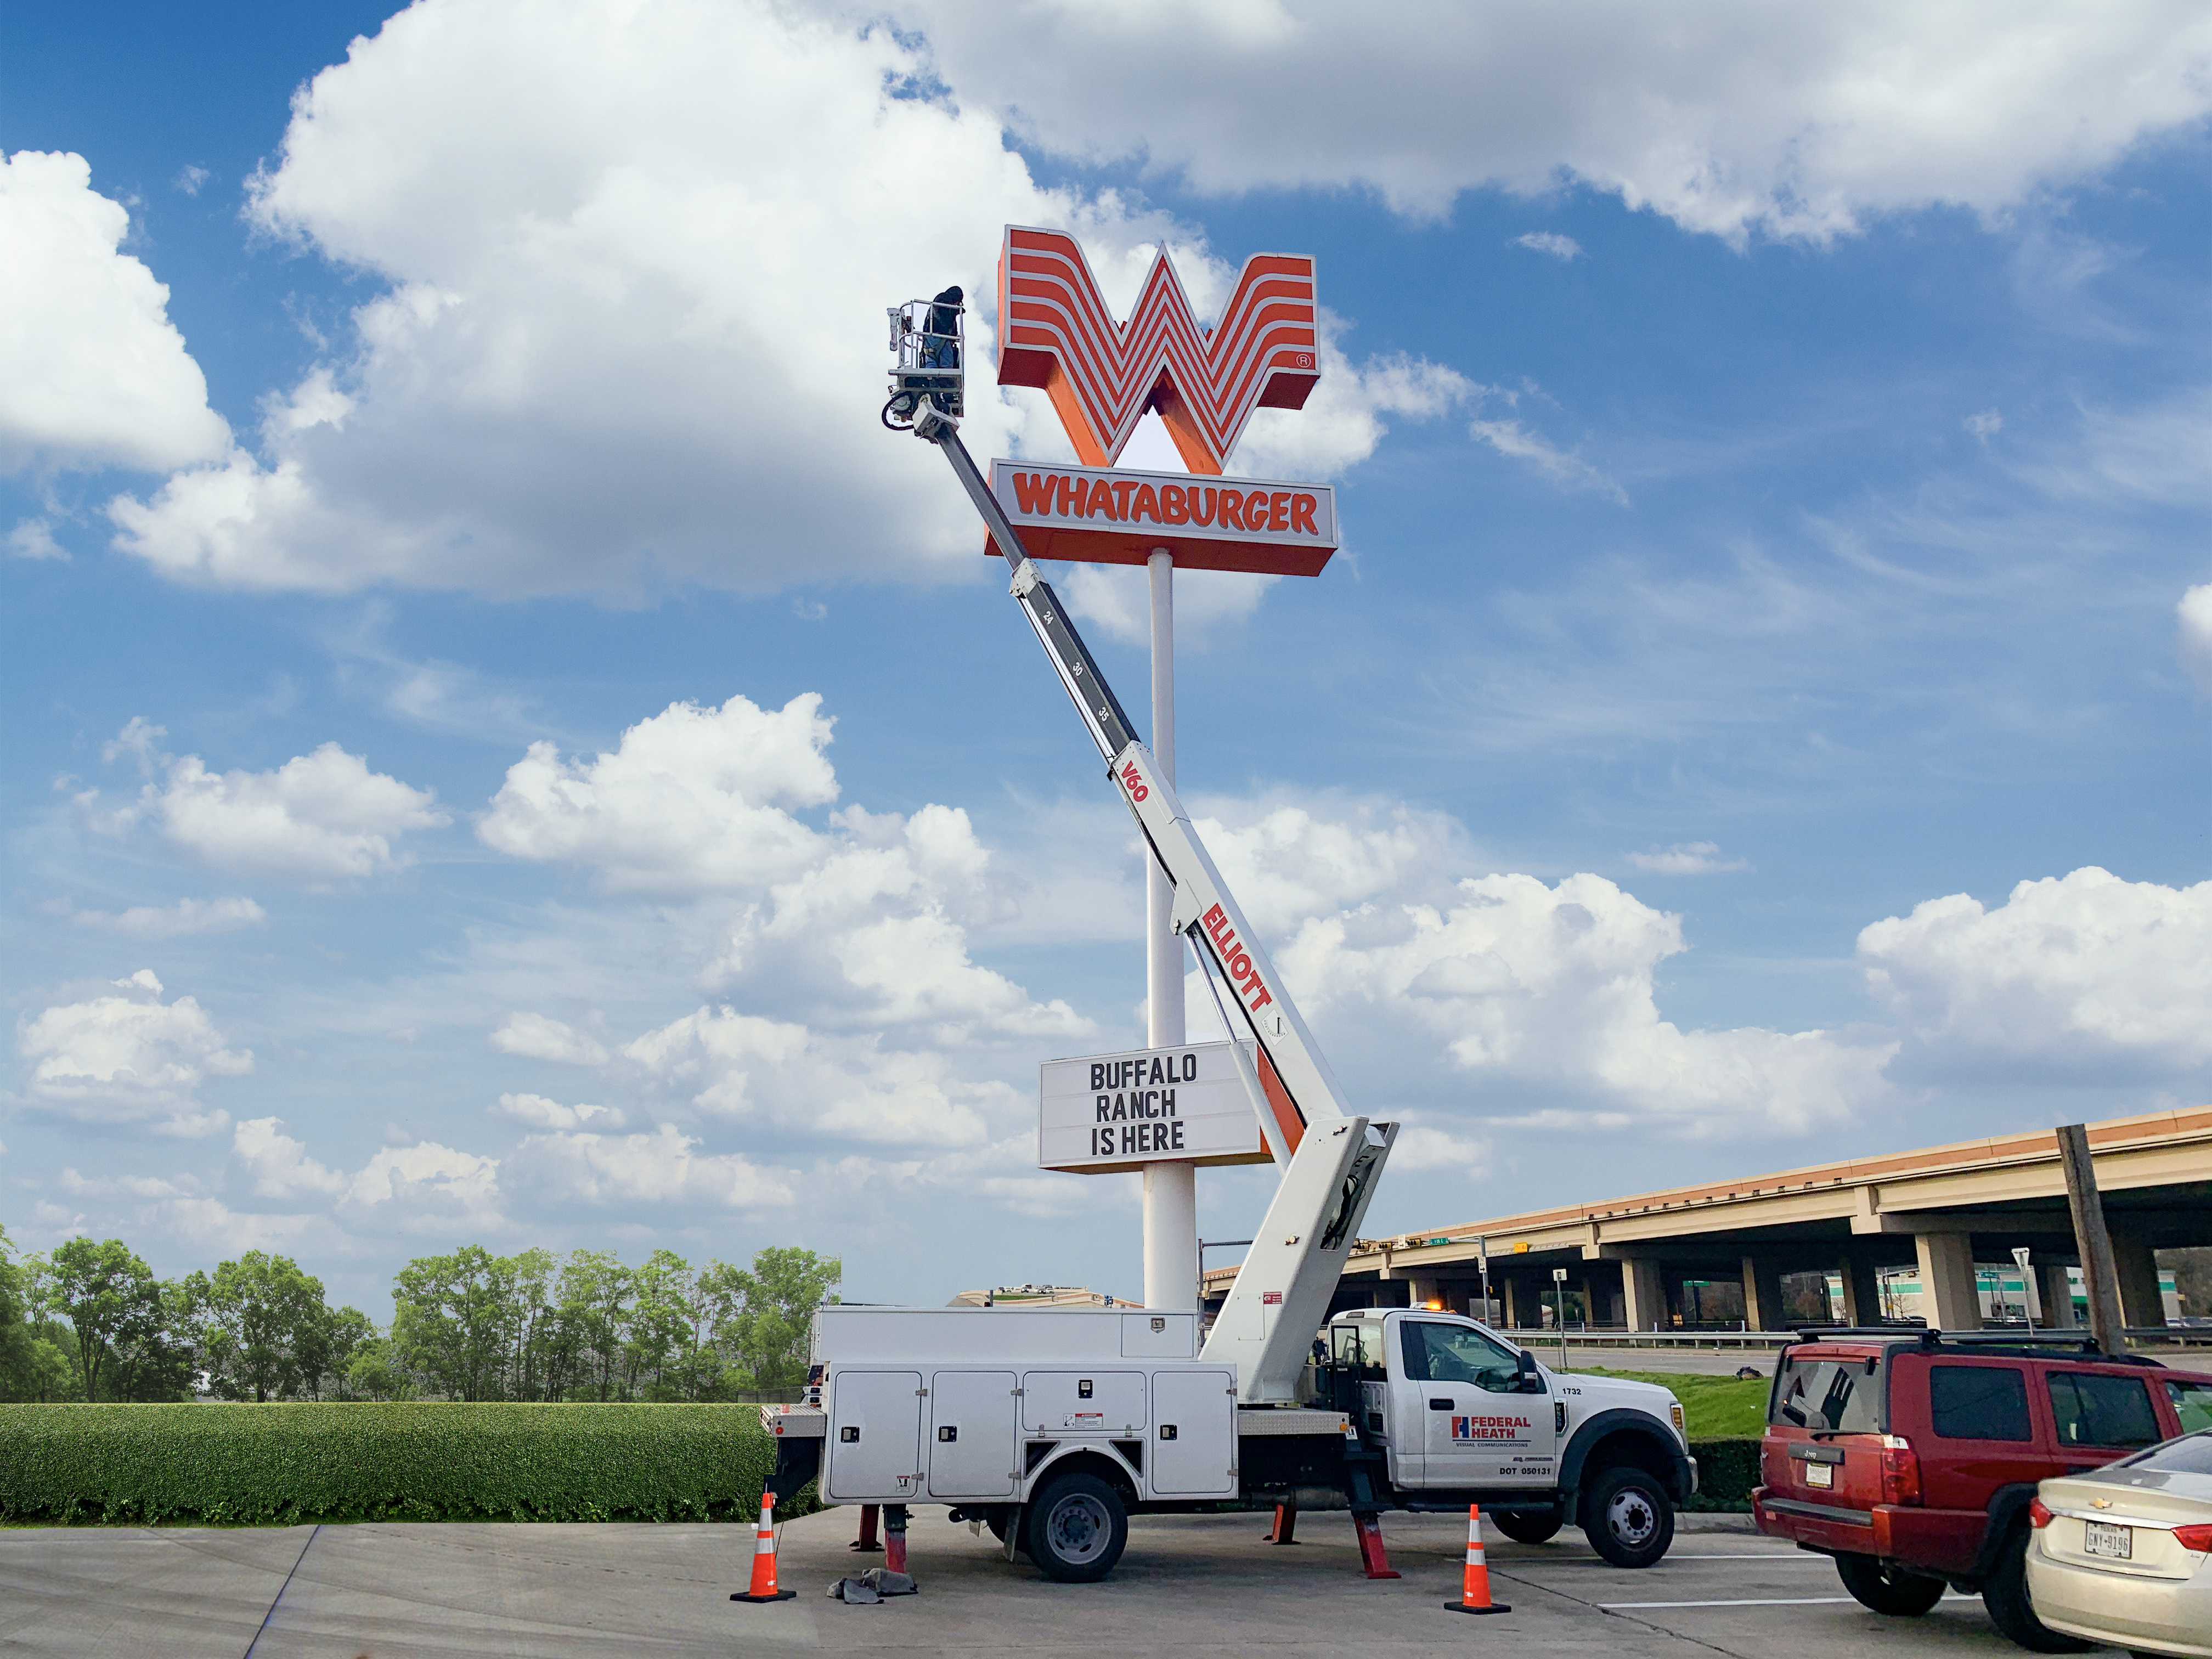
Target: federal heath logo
{"type": "Point", "coordinates": [1102, 375]}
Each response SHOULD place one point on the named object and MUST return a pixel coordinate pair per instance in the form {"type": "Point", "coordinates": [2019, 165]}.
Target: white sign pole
{"type": "Point", "coordinates": [1170, 1188]}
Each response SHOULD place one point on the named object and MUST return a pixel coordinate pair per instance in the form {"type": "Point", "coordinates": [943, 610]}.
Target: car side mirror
{"type": "Point", "coordinates": [1532, 1376]}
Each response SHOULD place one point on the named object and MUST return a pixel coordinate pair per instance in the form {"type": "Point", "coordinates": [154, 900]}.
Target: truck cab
{"type": "Point", "coordinates": [1460, 1415]}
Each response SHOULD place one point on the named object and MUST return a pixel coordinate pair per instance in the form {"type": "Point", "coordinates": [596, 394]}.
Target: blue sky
{"type": "Point", "coordinates": [1759, 714]}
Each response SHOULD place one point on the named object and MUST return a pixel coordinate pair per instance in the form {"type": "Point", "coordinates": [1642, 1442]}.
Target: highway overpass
{"type": "Point", "coordinates": [1725, 1251]}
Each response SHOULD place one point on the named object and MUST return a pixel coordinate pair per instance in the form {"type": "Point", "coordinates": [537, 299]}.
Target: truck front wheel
{"type": "Point", "coordinates": [1077, 1529]}
{"type": "Point", "coordinates": [1627, 1518]}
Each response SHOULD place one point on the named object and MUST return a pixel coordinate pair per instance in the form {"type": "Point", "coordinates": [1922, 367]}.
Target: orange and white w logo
{"type": "Point", "coordinates": [1104, 375]}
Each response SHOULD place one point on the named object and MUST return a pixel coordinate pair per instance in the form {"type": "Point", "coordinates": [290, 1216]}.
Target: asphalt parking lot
{"type": "Point", "coordinates": [1189, 1585]}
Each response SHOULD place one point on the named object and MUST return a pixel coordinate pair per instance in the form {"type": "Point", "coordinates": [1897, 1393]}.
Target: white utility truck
{"type": "Point", "coordinates": [1053, 1426]}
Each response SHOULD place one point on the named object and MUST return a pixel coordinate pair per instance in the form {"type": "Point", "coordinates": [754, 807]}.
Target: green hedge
{"type": "Point", "coordinates": [1727, 1471]}
{"type": "Point", "coordinates": [288, 1463]}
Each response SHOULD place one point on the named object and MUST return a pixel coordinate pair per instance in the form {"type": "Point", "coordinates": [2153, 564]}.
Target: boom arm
{"type": "Point", "coordinates": [1281, 1295]}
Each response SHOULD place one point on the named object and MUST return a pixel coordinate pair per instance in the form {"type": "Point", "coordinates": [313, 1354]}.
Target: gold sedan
{"type": "Point", "coordinates": [2122, 1555]}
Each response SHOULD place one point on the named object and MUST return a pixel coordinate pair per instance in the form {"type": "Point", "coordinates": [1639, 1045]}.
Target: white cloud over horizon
{"type": "Point", "coordinates": [124, 1056]}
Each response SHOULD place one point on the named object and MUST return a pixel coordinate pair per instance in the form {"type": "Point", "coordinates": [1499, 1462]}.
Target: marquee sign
{"type": "Point", "coordinates": [1122, 1111]}
{"type": "Point", "coordinates": [1120, 517]}
{"type": "Point", "coordinates": [1056, 333]}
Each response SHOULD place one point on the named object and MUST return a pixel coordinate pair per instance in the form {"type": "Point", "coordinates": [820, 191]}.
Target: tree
{"type": "Point", "coordinates": [32, 1366]}
{"type": "Point", "coordinates": [374, 1372]}
{"type": "Point", "coordinates": [595, 1293]}
{"type": "Point", "coordinates": [112, 1301]}
{"type": "Point", "coordinates": [260, 1316]}
{"type": "Point", "coordinates": [325, 1351]}
{"type": "Point", "coordinates": [778, 1298]}
{"type": "Point", "coordinates": [450, 1318]}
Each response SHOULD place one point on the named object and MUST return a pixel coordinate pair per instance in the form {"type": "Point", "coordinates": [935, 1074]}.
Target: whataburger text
{"type": "Point", "coordinates": [1116, 516]}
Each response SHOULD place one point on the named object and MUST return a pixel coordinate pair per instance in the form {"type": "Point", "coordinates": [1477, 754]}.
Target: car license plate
{"type": "Point", "coordinates": [1819, 1475]}
{"type": "Point", "coordinates": [2103, 1538]}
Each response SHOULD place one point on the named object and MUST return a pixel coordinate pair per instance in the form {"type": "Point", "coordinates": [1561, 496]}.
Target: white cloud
{"type": "Point", "coordinates": [641, 249]}
{"type": "Point", "coordinates": [1421, 1150]}
{"type": "Point", "coordinates": [1516, 440]}
{"type": "Point", "coordinates": [92, 372]}
{"type": "Point", "coordinates": [128, 1057]}
{"type": "Point", "coordinates": [772, 1074]}
{"type": "Point", "coordinates": [190, 178]}
{"type": "Point", "coordinates": [537, 1036]}
{"type": "Point", "coordinates": [2193, 641]}
{"type": "Point", "coordinates": [278, 1165]}
{"type": "Point", "coordinates": [429, 1186]}
{"type": "Point", "coordinates": [33, 539]}
{"type": "Point", "coordinates": [693, 799]}
{"type": "Point", "coordinates": [1691, 858]}
{"type": "Point", "coordinates": [1551, 242]}
{"type": "Point", "coordinates": [1726, 118]}
{"type": "Point", "coordinates": [863, 922]}
{"type": "Point", "coordinates": [540, 1113]}
{"type": "Point", "coordinates": [1289, 863]}
{"type": "Point", "coordinates": [1984, 424]}
{"type": "Point", "coordinates": [658, 1168]}
{"type": "Point", "coordinates": [2084, 972]}
{"type": "Point", "coordinates": [317, 820]}
{"type": "Point", "coordinates": [179, 920]}
{"type": "Point", "coordinates": [1544, 997]}
{"type": "Point", "coordinates": [637, 250]}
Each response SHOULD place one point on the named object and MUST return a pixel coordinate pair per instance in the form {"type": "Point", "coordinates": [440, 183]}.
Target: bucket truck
{"type": "Point", "coordinates": [1053, 1427]}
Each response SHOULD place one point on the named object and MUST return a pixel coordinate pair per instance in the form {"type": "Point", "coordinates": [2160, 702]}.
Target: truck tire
{"type": "Point", "coordinates": [2006, 1597]}
{"type": "Point", "coordinates": [1627, 1518]}
{"type": "Point", "coordinates": [1887, 1588]}
{"type": "Point", "coordinates": [1530, 1526]}
{"type": "Point", "coordinates": [1076, 1530]}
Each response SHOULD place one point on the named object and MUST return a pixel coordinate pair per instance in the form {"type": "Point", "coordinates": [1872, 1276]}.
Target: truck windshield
{"type": "Point", "coordinates": [1838, 1395]}
{"type": "Point", "coordinates": [1437, 1352]}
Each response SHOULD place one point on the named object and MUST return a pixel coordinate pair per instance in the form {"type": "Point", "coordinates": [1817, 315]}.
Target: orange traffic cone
{"type": "Point", "coordinates": [1474, 1586]}
{"type": "Point", "coordinates": [763, 1585]}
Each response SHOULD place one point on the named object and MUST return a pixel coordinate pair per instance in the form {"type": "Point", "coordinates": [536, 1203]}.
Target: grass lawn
{"type": "Point", "coordinates": [1717, 1407]}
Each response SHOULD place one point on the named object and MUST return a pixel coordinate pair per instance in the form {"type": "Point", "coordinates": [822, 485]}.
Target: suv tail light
{"type": "Point", "coordinates": [2039, 1515]}
{"type": "Point", "coordinates": [1900, 1471]}
{"type": "Point", "coordinates": [2197, 1538]}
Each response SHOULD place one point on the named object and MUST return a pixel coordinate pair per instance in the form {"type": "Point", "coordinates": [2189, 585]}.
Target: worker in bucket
{"type": "Point", "coordinates": [943, 349]}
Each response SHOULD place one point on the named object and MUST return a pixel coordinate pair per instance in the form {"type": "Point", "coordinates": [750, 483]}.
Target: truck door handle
{"type": "Point", "coordinates": [1437, 1403]}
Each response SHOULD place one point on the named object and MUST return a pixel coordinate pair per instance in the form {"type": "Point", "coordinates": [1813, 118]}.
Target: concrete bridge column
{"type": "Point", "coordinates": [2139, 1301]}
{"type": "Point", "coordinates": [1643, 1294]}
{"type": "Point", "coordinates": [1948, 1295]}
{"type": "Point", "coordinates": [2057, 1287]}
{"type": "Point", "coordinates": [1425, 1291]}
{"type": "Point", "coordinates": [1762, 1294]}
{"type": "Point", "coordinates": [1861, 1291]}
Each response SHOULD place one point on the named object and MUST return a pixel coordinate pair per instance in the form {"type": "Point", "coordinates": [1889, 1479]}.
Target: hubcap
{"type": "Point", "coordinates": [1079, 1527]}
{"type": "Point", "coordinates": [1631, 1518]}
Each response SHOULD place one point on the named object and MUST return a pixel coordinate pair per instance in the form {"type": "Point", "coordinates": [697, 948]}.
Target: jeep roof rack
{"type": "Point", "coordinates": [1929, 1337]}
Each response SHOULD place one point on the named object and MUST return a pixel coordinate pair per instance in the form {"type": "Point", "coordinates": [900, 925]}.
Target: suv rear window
{"type": "Point", "coordinates": [2102, 1411]}
{"type": "Point", "coordinates": [1841, 1394]}
{"type": "Point", "coordinates": [1979, 1402]}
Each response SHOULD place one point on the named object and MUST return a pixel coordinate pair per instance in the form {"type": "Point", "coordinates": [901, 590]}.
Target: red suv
{"type": "Point", "coordinates": [1911, 1455]}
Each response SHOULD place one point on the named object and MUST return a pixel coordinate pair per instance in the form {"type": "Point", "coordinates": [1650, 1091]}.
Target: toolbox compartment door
{"type": "Point", "coordinates": [974, 1435]}
{"type": "Point", "coordinates": [1192, 1449]}
{"type": "Point", "coordinates": [874, 1451]}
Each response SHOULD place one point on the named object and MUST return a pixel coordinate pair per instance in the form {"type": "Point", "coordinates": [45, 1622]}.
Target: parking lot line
{"type": "Point", "coordinates": [1762, 1601]}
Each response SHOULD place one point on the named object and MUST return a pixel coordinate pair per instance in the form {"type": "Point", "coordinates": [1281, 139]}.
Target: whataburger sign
{"type": "Point", "coordinates": [1102, 377]}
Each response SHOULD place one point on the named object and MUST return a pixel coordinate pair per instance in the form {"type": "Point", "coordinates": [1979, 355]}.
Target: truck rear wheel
{"type": "Point", "coordinates": [1076, 1530]}
{"type": "Point", "coordinates": [1627, 1518]}
{"type": "Point", "coordinates": [1530, 1526]}
{"type": "Point", "coordinates": [1887, 1587]}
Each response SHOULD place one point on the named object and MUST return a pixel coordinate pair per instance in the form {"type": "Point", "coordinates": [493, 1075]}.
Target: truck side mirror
{"type": "Point", "coordinates": [1532, 1376]}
